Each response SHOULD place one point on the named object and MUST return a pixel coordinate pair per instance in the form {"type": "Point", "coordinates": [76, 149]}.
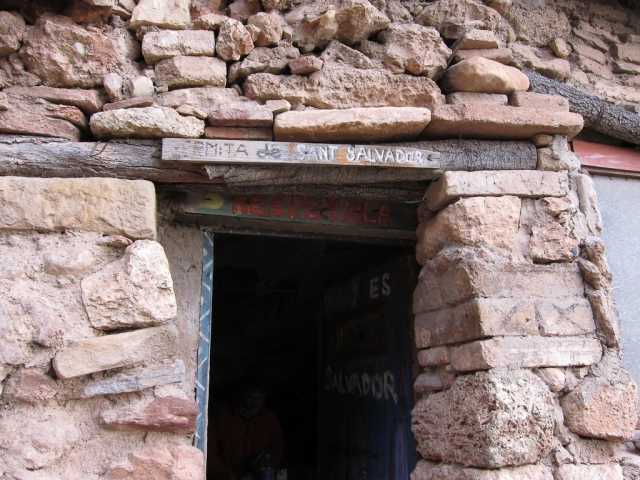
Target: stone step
{"type": "Point", "coordinates": [492, 122]}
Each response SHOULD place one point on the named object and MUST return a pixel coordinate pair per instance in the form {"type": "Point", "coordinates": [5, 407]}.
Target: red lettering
{"type": "Point", "coordinates": [256, 205]}
{"type": "Point", "coordinates": [333, 202]}
{"type": "Point", "coordinates": [239, 201]}
{"type": "Point", "coordinates": [365, 220]}
{"type": "Point", "coordinates": [383, 212]}
{"type": "Point", "coordinates": [311, 208]}
{"type": "Point", "coordinates": [276, 205]}
{"type": "Point", "coordinates": [296, 202]}
{"type": "Point", "coordinates": [351, 212]}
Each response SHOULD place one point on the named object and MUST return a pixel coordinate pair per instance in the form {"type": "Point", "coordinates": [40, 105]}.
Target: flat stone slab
{"type": "Point", "coordinates": [105, 205]}
{"type": "Point", "coordinates": [89, 101]}
{"type": "Point", "coordinates": [186, 71]}
{"type": "Point", "coordinates": [133, 380]}
{"type": "Point", "coordinates": [164, 414]}
{"type": "Point", "coordinates": [22, 123]}
{"type": "Point", "coordinates": [453, 185]}
{"type": "Point", "coordinates": [456, 472]}
{"type": "Point", "coordinates": [135, 102]}
{"type": "Point", "coordinates": [115, 351]}
{"type": "Point", "coordinates": [499, 122]}
{"type": "Point", "coordinates": [465, 98]}
{"type": "Point", "coordinates": [611, 471]}
{"type": "Point", "coordinates": [243, 114]}
{"type": "Point", "coordinates": [484, 317]}
{"type": "Point", "coordinates": [239, 133]}
{"type": "Point", "coordinates": [444, 284]}
{"type": "Point", "coordinates": [539, 100]}
{"type": "Point", "coordinates": [352, 124]}
{"type": "Point", "coordinates": [149, 122]}
{"type": "Point", "coordinates": [500, 55]}
{"type": "Point", "coordinates": [526, 352]}
{"type": "Point", "coordinates": [167, 43]}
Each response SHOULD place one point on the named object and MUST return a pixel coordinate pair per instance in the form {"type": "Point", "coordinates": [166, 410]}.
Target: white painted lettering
{"type": "Point", "coordinates": [390, 386]}
{"type": "Point", "coordinates": [386, 288]}
{"type": "Point", "coordinates": [373, 287]}
{"type": "Point", "coordinates": [301, 148]}
{"type": "Point", "coordinates": [388, 158]}
{"type": "Point", "coordinates": [332, 152]}
{"type": "Point", "coordinates": [351, 153]}
{"type": "Point", "coordinates": [362, 384]}
{"type": "Point", "coordinates": [376, 386]}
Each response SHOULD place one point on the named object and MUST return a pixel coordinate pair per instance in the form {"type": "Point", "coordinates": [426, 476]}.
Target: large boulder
{"type": "Point", "coordinates": [264, 59]}
{"type": "Point", "coordinates": [234, 40]}
{"type": "Point", "coordinates": [172, 14]}
{"type": "Point", "coordinates": [479, 74]}
{"type": "Point", "coordinates": [12, 27]}
{"type": "Point", "coordinates": [64, 54]}
{"type": "Point", "coordinates": [315, 24]}
{"type": "Point", "coordinates": [416, 49]}
{"type": "Point", "coordinates": [135, 291]}
{"type": "Point", "coordinates": [174, 461]}
{"type": "Point", "coordinates": [454, 17]}
{"type": "Point", "coordinates": [491, 221]}
{"type": "Point", "coordinates": [184, 71]}
{"type": "Point", "coordinates": [597, 408]}
{"type": "Point", "coordinates": [491, 419]}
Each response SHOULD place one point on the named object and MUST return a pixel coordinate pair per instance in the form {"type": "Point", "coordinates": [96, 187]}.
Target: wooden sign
{"type": "Point", "coordinates": [282, 153]}
{"type": "Point", "coordinates": [306, 209]}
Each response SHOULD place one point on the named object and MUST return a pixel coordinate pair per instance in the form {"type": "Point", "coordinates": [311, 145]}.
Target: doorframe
{"type": "Point", "coordinates": [206, 307]}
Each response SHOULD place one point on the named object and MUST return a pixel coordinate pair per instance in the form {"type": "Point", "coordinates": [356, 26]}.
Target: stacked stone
{"type": "Point", "coordinates": [595, 48]}
{"type": "Point", "coordinates": [88, 335]}
{"type": "Point", "coordinates": [516, 327]}
{"type": "Point", "coordinates": [102, 80]}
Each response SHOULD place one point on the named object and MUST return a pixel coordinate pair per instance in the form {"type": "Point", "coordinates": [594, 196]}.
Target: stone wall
{"type": "Point", "coordinates": [97, 355]}
{"type": "Point", "coordinates": [159, 68]}
{"type": "Point", "coordinates": [516, 326]}
{"type": "Point", "coordinates": [518, 332]}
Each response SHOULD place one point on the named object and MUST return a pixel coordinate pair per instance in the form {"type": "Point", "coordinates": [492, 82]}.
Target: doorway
{"type": "Point", "coordinates": [279, 305]}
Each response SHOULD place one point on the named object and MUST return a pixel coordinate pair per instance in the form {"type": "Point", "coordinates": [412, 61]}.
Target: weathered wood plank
{"type": "Point", "coordinates": [140, 159]}
{"type": "Point", "coordinates": [285, 153]}
{"type": "Point", "coordinates": [131, 382]}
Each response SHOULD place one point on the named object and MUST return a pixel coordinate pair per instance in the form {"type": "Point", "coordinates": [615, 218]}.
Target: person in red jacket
{"type": "Point", "coordinates": [242, 432]}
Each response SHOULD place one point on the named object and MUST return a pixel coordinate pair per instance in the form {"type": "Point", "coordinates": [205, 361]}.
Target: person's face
{"type": "Point", "coordinates": [253, 400]}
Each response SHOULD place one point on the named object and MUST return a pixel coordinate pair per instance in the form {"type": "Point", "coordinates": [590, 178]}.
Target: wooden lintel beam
{"type": "Point", "coordinates": [140, 159]}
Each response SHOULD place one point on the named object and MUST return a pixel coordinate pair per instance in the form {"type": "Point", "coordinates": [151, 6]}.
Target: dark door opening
{"type": "Point", "coordinates": [277, 306]}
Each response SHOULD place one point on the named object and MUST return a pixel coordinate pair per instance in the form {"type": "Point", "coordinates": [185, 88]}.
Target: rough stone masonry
{"type": "Point", "coordinates": [517, 332]}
